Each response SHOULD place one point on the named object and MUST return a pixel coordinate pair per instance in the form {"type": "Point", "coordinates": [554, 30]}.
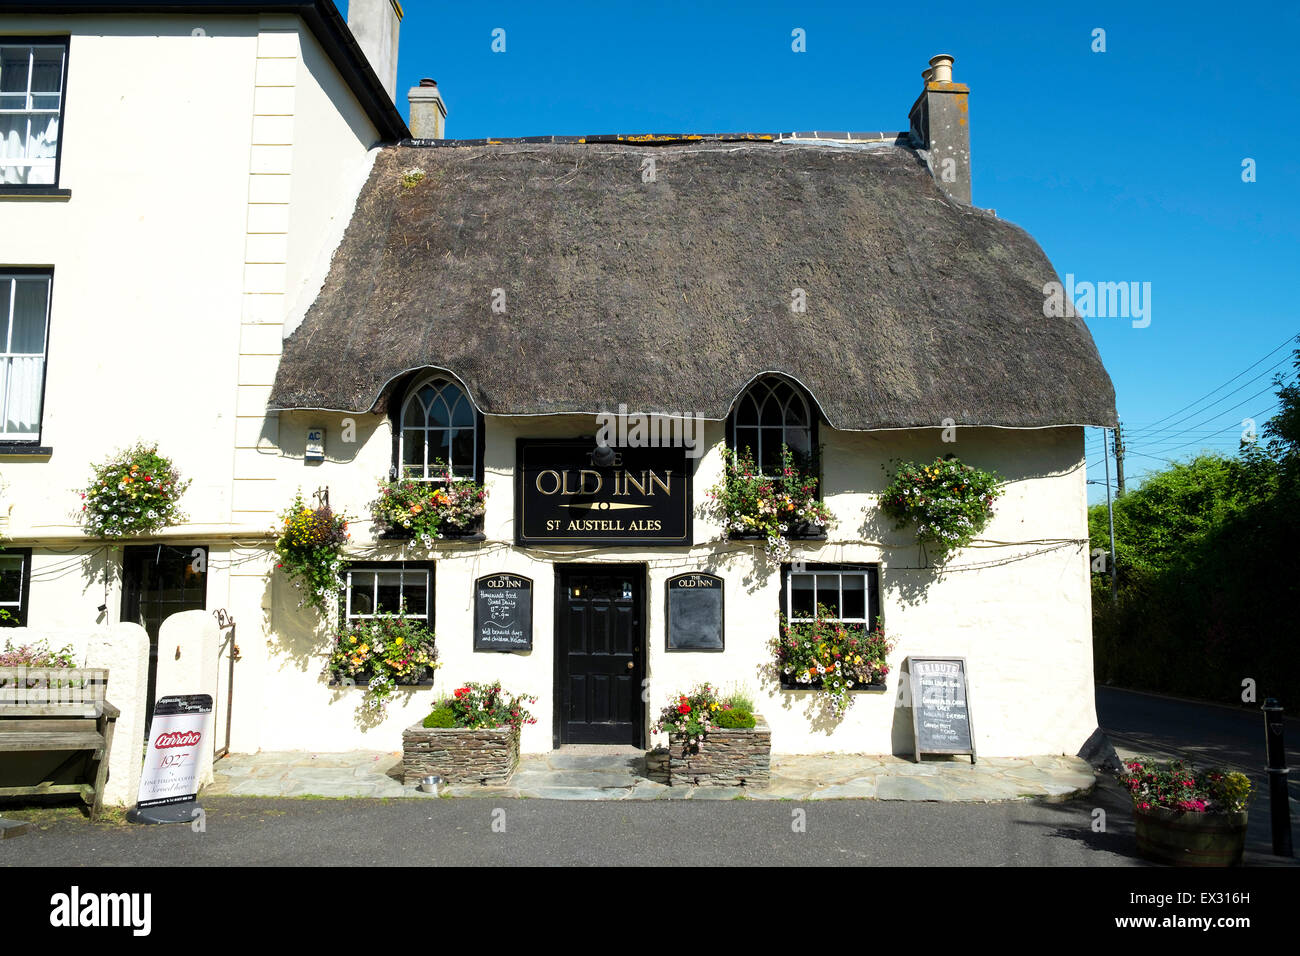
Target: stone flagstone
{"type": "Point", "coordinates": [619, 773]}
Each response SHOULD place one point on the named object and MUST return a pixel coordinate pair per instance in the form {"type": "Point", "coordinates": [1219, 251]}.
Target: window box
{"type": "Point", "coordinates": [423, 679]}
{"type": "Point", "coordinates": [473, 533]}
{"type": "Point", "coordinates": [482, 755]}
{"type": "Point", "coordinates": [731, 757]}
{"type": "Point", "coordinates": [798, 531]}
{"type": "Point", "coordinates": [787, 684]}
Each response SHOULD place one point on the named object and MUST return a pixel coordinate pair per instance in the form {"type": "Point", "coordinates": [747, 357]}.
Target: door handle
{"type": "Point", "coordinates": [630, 665]}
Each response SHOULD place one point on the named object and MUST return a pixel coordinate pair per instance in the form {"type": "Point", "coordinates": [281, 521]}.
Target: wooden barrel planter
{"type": "Point", "coordinates": [486, 756]}
{"type": "Point", "coordinates": [734, 757]}
{"type": "Point", "coordinates": [1190, 839]}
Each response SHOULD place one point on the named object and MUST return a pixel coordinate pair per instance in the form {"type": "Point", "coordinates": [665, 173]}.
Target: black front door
{"type": "Point", "coordinates": [159, 580]}
{"type": "Point", "coordinates": [599, 654]}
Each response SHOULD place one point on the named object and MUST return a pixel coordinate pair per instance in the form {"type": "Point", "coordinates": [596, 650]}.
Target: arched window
{"type": "Point", "coordinates": [772, 413]}
{"type": "Point", "coordinates": [438, 422]}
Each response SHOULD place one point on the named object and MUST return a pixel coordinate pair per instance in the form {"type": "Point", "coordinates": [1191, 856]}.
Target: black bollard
{"type": "Point", "coordinates": [1278, 794]}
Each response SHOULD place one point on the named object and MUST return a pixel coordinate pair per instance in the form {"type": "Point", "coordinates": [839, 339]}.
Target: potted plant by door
{"type": "Point", "coordinates": [1187, 817]}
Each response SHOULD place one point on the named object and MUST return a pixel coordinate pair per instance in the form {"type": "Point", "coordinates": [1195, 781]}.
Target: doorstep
{"type": "Point", "coordinates": [618, 773]}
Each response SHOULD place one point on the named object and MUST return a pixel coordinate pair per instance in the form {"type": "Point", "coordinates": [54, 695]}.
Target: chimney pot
{"type": "Point", "coordinates": [428, 111]}
{"type": "Point", "coordinates": [940, 124]}
{"type": "Point", "coordinates": [925, 75]}
{"type": "Point", "coordinates": [941, 68]}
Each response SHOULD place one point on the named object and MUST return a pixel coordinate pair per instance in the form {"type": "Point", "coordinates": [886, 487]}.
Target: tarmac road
{"type": "Point", "coordinates": [480, 832]}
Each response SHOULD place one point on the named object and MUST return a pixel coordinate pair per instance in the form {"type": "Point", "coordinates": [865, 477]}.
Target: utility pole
{"type": "Point", "coordinates": [1119, 459]}
{"type": "Point", "coordinates": [1110, 514]}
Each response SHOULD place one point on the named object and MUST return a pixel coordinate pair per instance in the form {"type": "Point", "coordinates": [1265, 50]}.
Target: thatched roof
{"type": "Point", "coordinates": [670, 296]}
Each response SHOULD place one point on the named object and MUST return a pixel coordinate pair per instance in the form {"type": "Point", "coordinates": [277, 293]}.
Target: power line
{"type": "Point", "coordinates": [1151, 433]}
{"type": "Point", "coordinates": [1287, 342]}
{"type": "Point", "coordinates": [1243, 402]}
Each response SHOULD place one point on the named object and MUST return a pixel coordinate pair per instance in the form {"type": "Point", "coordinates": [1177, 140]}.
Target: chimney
{"type": "Point", "coordinates": [940, 123]}
{"type": "Point", "coordinates": [376, 25]}
{"type": "Point", "coordinates": [428, 111]}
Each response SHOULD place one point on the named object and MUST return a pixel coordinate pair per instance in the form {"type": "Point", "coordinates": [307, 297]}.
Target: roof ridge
{"type": "Point", "coordinates": [669, 139]}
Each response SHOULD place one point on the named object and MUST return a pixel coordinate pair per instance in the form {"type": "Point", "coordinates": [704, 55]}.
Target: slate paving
{"type": "Point", "coordinates": [618, 773]}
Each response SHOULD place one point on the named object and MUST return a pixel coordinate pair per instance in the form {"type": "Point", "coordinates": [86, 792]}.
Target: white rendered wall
{"type": "Point", "coordinates": [1023, 623]}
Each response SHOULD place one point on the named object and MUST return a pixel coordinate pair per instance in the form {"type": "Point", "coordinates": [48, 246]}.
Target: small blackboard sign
{"type": "Point", "coordinates": [503, 613]}
{"type": "Point", "coordinates": [695, 610]}
{"type": "Point", "coordinates": [941, 720]}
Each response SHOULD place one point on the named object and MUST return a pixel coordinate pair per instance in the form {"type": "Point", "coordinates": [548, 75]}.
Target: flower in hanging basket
{"type": "Point", "coordinates": [948, 501]}
{"type": "Point", "coordinates": [117, 505]}
{"type": "Point", "coordinates": [310, 548]}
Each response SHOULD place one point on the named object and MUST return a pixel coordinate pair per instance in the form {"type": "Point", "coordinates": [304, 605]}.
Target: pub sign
{"type": "Point", "coordinates": [563, 497]}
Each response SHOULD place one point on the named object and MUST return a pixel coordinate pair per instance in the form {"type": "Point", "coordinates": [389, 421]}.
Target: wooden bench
{"type": "Point", "coordinates": [58, 710]}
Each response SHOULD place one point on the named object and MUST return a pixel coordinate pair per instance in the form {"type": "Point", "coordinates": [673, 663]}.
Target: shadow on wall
{"type": "Point", "coordinates": [908, 584]}
{"type": "Point", "coordinates": [303, 640]}
{"type": "Point", "coordinates": [345, 435]}
{"type": "Point", "coordinates": [99, 570]}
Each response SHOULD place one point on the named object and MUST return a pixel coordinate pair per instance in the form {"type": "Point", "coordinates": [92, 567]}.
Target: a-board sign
{"type": "Point", "coordinates": [941, 720]}
{"type": "Point", "coordinates": [695, 613]}
{"type": "Point", "coordinates": [503, 613]}
{"type": "Point", "coordinates": [177, 736]}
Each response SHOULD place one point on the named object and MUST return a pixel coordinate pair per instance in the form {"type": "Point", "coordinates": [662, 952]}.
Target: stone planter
{"type": "Point", "coordinates": [1190, 839]}
{"type": "Point", "coordinates": [727, 758]}
{"type": "Point", "coordinates": [459, 755]}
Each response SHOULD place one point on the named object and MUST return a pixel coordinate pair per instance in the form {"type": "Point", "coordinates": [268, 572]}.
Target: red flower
{"type": "Point", "coordinates": [683, 708]}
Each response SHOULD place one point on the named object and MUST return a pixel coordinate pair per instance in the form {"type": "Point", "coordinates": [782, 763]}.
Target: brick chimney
{"type": "Point", "coordinates": [376, 25]}
{"type": "Point", "coordinates": [428, 111]}
{"type": "Point", "coordinates": [940, 125]}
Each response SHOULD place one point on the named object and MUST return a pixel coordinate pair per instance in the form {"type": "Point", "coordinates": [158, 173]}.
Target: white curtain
{"type": "Point", "coordinates": [23, 395]}
{"type": "Point", "coordinates": [13, 145]}
{"type": "Point", "coordinates": [43, 144]}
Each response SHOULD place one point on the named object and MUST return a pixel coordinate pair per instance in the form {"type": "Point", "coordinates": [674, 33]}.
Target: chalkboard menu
{"type": "Point", "coordinates": [503, 613]}
{"type": "Point", "coordinates": [941, 722]}
{"type": "Point", "coordinates": [695, 613]}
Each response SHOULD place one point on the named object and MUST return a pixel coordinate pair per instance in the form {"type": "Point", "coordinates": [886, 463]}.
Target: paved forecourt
{"type": "Point", "coordinates": [613, 773]}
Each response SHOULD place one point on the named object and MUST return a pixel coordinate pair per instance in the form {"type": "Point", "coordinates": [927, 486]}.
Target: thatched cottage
{"type": "Point", "coordinates": [493, 301]}
{"type": "Point", "coordinates": [585, 326]}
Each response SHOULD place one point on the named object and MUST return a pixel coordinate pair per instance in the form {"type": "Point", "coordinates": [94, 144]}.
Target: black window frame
{"type": "Point", "coordinates": [871, 569]}
{"type": "Point", "coordinates": [402, 391]}
{"type": "Point", "coordinates": [430, 567]}
{"type": "Point", "coordinates": [32, 446]}
{"type": "Point", "coordinates": [24, 589]}
{"type": "Point", "coordinates": [54, 188]}
{"type": "Point", "coordinates": [814, 423]}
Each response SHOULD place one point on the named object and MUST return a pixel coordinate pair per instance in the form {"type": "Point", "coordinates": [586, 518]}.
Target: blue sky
{"type": "Point", "coordinates": [1124, 165]}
